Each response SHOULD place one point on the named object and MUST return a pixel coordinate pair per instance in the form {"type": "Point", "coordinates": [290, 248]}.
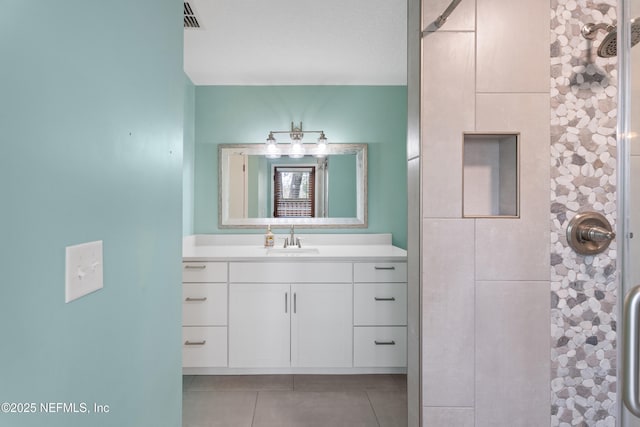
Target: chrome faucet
{"type": "Point", "coordinates": [292, 240]}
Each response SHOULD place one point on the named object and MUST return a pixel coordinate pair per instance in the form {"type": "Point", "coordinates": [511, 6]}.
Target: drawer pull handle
{"type": "Point", "coordinates": [384, 268]}
{"type": "Point", "coordinates": [384, 299]}
{"type": "Point", "coordinates": [385, 342]}
{"type": "Point", "coordinates": [195, 267]}
{"type": "Point", "coordinates": [187, 342]}
{"type": "Point", "coordinates": [189, 299]}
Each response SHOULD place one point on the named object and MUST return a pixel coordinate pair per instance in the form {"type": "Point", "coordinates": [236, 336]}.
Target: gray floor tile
{"type": "Point", "coordinates": [401, 381]}
{"type": "Point", "coordinates": [317, 401]}
{"type": "Point", "coordinates": [349, 382]}
{"type": "Point", "coordinates": [314, 409]}
{"type": "Point", "coordinates": [218, 409]}
{"type": "Point", "coordinates": [241, 382]}
{"type": "Point", "coordinates": [390, 407]}
{"type": "Point", "coordinates": [186, 382]}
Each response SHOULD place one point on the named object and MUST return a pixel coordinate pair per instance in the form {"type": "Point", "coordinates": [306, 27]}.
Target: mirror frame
{"type": "Point", "coordinates": [360, 221]}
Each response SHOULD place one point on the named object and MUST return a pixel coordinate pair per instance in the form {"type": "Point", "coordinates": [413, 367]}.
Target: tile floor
{"type": "Point", "coordinates": [294, 401]}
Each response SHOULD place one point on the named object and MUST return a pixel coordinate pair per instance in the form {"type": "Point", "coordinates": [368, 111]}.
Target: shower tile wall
{"type": "Point", "coordinates": [583, 150]}
{"type": "Point", "coordinates": [485, 281]}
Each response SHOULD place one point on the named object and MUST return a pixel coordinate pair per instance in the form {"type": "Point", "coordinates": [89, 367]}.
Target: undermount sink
{"type": "Point", "coordinates": [292, 251]}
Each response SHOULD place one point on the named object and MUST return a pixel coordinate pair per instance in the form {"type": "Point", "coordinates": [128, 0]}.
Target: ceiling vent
{"type": "Point", "coordinates": [190, 19]}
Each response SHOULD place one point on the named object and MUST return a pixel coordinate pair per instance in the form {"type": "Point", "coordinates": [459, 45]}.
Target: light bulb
{"type": "Point", "coordinates": [273, 151]}
{"type": "Point", "coordinates": [321, 146]}
{"type": "Point", "coordinates": [297, 150]}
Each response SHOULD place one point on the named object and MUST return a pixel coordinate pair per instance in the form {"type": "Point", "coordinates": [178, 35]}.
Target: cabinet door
{"type": "Point", "coordinates": [322, 325]}
{"type": "Point", "coordinates": [259, 325]}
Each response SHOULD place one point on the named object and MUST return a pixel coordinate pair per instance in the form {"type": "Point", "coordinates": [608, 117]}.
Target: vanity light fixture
{"type": "Point", "coordinates": [322, 145]}
{"type": "Point", "coordinates": [296, 147]}
{"type": "Point", "coordinates": [273, 151]}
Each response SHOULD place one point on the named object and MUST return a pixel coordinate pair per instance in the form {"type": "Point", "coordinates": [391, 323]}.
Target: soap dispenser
{"type": "Point", "coordinates": [269, 239]}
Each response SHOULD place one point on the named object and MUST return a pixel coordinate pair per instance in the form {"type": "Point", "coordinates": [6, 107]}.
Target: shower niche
{"type": "Point", "coordinates": [490, 182]}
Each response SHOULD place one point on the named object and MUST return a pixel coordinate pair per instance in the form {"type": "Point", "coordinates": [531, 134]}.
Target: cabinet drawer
{"type": "Point", "coordinates": [380, 346]}
{"type": "Point", "coordinates": [194, 272]}
{"type": "Point", "coordinates": [380, 272]}
{"type": "Point", "coordinates": [204, 346]}
{"type": "Point", "coordinates": [204, 304]}
{"type": "Point", "coordinates": [380, 304]}
{"type": "Point", "coordinates": [298, 272]}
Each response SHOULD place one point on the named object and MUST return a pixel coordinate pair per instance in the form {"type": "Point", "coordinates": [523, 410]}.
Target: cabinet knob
{"type": "Point", "coordinates": [195, 267]}
{"type": "Point", "coordinates": [384, 299]}
{"type": "Point", "coordinates": [385, 342]}
{"type": "Point", "coordinates": [190, 299]}
{"type": "Point", "coordinates": [384, 268]}
{"type": "Point", "coordinates": [203, 342]}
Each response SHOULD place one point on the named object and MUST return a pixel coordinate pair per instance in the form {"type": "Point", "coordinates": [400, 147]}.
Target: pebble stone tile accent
{"type": "Point", "coordinates": [583, 178]}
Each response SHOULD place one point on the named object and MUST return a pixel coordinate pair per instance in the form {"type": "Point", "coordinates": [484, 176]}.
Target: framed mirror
{"type": "Point", "coordinates": [318, 190]}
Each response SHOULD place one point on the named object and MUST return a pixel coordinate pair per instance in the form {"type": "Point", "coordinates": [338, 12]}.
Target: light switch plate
{"type": "Point", "coordinates": [83, 270]}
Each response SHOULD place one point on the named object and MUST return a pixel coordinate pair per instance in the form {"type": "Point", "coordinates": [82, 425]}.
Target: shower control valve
{"type": "Point", "coordinates": [589, 233]}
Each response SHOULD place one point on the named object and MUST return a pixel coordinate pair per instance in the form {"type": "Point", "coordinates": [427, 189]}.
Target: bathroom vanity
{"type": "Point", "coordinates": [337, 304]}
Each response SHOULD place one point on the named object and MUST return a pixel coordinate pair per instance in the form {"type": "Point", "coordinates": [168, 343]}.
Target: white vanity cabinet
{"type": "Point", "coordinates": [296, 314]}
{"type": "Point", "coordinates": [259, 336]}
{"type": "Point", "coordinates": [204, 314]}
{"type": "Point", "coordinates": [337, 306]}
{"type": "Point", "coordinates": [380, 315]}
{"type": "Point", "coordinates": [321, 331]}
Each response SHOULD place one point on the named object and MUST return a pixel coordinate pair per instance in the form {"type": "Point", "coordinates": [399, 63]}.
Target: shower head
{"type": "Point", "coordinates": [609, 45]}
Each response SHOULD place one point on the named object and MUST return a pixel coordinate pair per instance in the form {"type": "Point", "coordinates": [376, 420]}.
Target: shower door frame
{"type": "Point", "coordinates": [624, 191]}
{"type": "Point", "coordinates": [414, 215]}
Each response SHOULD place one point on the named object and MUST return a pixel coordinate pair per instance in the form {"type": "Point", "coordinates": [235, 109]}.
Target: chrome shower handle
{"type": "Point", "coordinates": [596, 234]}
{"type": "Point", "coordinates": [589, 233]}
{"type": "Point", "coordinates": [630, 351]}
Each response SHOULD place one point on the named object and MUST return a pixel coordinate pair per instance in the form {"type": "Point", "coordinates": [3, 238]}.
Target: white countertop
{"type": "Point", "coordinates": [315, 247]}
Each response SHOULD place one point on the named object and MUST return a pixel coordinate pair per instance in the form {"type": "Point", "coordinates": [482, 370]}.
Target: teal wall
{"type": "Point", "coordinates": [376, 115]}
{"type": "Point", "coordinates": [91, 129]}
{"type": "Point", "coordinates": [343, 186]}
{"type": "Point", "coordinates": [189, 151]}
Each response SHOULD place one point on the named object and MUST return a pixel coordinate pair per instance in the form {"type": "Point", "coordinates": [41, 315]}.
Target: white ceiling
{"type": "Point", "coordinates": [297, 42]}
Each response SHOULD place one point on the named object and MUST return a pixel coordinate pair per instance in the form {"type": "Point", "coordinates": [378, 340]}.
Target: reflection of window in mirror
{"type": "Point", "coordinates": [294, 194]}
